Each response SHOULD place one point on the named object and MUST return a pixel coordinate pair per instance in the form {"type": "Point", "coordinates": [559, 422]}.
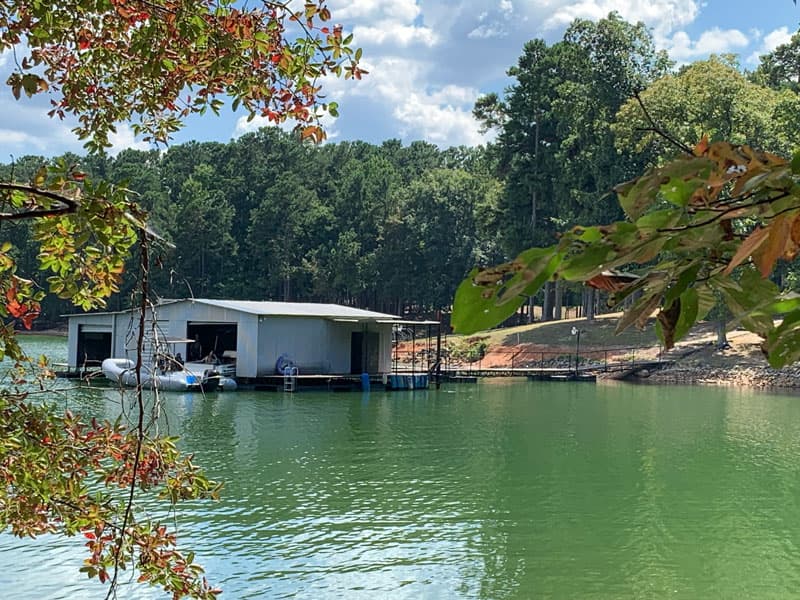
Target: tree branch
{"type": "Point", "coordinates": [656, 129]}
{"type": "Point", "coordinates": [727, 211]}
{"type": "Point", "coordinates": [144, 266]}
{"type": "Point", "coordinates": [68, 205]}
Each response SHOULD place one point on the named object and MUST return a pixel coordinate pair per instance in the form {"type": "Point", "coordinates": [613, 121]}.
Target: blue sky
{"type": "Point", "coordinates": [430, 60]}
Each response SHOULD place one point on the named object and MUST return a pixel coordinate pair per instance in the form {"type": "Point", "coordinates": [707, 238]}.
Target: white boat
{"type": "Point", "coordinates": [192, 377]}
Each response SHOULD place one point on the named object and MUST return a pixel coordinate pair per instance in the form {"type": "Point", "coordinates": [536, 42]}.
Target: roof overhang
{"type": "Point", "coordinates": [380, 321]}
{"type": "Point", "coordinates": [406, 322]}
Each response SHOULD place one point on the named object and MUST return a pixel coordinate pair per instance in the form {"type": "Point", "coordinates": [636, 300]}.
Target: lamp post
{"type": "Point", "coordinates": [577, 333]}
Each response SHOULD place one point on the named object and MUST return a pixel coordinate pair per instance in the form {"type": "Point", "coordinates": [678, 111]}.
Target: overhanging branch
{"type": "Point", "coordinates": [65, 205]}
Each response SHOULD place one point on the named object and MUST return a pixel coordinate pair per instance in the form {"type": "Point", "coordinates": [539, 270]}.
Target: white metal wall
{"type": "Point", "coordinates": [303, 339]}
{"type": "Point", "coordinates": [315, 343]}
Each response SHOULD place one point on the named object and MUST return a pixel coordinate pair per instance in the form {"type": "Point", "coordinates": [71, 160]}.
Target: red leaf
{"type": "Point", "coordinates": [15, 308]}
{"type": "Point", "coordinates": [29, 317]}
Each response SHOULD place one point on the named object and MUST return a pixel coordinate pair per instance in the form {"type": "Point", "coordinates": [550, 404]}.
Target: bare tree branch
{"type": "Point", "coordinates": [658, 130]}
{"type": "Point", "coordinates": [67, 204]}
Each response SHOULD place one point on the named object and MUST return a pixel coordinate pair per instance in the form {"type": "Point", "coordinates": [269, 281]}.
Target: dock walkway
{"type": "Point", "coordinates": [620, 370]}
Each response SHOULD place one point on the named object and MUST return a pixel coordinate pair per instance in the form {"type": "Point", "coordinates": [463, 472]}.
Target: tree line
{"type": "Point", "coordinates": [395, 228]}
{"type": "Point", "coordinates": [271, 217]}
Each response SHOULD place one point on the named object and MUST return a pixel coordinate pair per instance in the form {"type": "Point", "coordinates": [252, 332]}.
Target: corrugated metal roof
{"type": "Point", "coordinates": [284, 309]}
{"type": "Point", "coordinates": [297, 309]}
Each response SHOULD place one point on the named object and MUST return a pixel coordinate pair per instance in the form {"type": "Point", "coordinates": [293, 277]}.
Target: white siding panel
{"type": "Point", "coordinates": [303, 340]}
{"type": "Point", "coordinates": [385, 358]}
{"type": "Point", "coordinates": [339, 345]}
{"type": "Point", "coordinates": [247, 345]}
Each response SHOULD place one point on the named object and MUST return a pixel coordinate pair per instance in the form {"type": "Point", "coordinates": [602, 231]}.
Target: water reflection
{"type": "Point", "coordinates": [500, 490]}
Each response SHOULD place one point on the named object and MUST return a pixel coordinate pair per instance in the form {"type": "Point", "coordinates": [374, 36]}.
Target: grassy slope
{"type": "Point", "coordinates": [598, 334]}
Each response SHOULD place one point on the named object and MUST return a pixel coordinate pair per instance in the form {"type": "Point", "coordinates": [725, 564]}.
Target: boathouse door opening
{"type": "Point", "coordinates": [219, 337]}
{"type": "Point", "coordinates": [94, 344]}
{"type": "Point", "coordinates": [364, 352]}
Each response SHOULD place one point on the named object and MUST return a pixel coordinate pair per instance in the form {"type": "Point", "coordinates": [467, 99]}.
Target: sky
{"type": "Point", "coordinates": [429, 60]}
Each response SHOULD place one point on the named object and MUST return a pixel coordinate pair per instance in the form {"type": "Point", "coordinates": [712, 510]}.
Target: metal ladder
{"type": "Point", "coordinates": [289, 379]}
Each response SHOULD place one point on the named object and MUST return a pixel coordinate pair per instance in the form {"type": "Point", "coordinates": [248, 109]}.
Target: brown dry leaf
{"type": "Point", "coordinates": [793, 240]}
{"type": "Point", "coordinates": [748, 246]}
{"type": "Point", "coordinates": [701, 146]}
{"type": "Point", "coordinates": [774, 246]}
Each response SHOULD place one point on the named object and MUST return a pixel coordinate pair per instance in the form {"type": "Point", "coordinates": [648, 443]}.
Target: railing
{"type": "Point", "coordinates": [515, 359]}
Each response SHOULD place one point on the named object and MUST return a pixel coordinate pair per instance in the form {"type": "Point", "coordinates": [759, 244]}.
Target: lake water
{"type": "Point", "coordinates": [496, 490]}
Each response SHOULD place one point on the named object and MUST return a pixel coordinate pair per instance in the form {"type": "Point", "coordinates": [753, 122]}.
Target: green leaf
{"type": "Point", "coordinates": [686, 277]}
{"type": "Point", "coordinates": [795, 164]}
{"type": "Point", "coordinates": [783, 342]}
{"type": "Point", "coordinates": [635, 197]}
{"type": "Point", "coordinates": [706, 301]}
{"type": "Point", "coordinates": [586, 263]}
{"type": "Point", "coordinates": [679, 192]}
{"type": "Point", "coordinates": [658, 219]}
{"type": "Point", "coordinates": [688, 315]}
{"type": "Point", "coordinates": [748, 298]}
{"type": "Point", "coordinates": [489, 296]}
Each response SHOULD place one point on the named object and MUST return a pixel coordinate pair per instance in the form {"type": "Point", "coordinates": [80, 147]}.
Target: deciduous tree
{"type": "Point", "coordinates": [152, 63]}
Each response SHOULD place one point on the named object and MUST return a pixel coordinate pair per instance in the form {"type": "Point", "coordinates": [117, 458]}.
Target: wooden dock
{"type": "Point", "coordinates": [618, 370]}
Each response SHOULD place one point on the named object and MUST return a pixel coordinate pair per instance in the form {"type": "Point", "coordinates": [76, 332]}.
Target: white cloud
{"type": "Point", "coordinates": [19, 139]}
{"type": "Point", "coordinates": [769, 42]}
{"type": "Point", "coordinates": [495, 24]}
{"type": "Point", "coordinates": [661, 15]}
{"type": "Point", "coordinates": [392, 32]}
{"type": "Point", "coordinates": [367, 10]}
{"type": "Point", "coordinates": [442, 124]}
{"type": "Point", "coordinates": [441, 115]}
{"type": "Point", "coordinates": [484, 32]}
{"type": "Point", "coordinates": [25, 128]}
{"type": "Point", "coordinates": [776, 38]}
{"type": "Point", "coordinates": [714, 41]}
{"type": "Point", "coordinates": [123, 139]}
{"type": "Point", "coordinates": [244, 126]}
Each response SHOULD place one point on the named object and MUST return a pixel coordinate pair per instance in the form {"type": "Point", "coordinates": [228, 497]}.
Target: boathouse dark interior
{"type": "Point", "coordinates": [219, 337]}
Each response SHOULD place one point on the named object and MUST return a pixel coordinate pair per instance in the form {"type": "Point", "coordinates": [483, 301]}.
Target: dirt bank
{"type": "Point", "coordinates": [695, 360]}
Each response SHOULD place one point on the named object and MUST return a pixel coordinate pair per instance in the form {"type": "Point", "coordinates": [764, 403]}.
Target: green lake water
{"type": "Point", "coordinates": [497, 490]}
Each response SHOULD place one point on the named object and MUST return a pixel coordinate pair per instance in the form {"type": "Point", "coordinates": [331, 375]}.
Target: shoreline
{"type": "Point", "coordinates": [738, 375]}
{"type": "Point", "coordinates": [43, 332]}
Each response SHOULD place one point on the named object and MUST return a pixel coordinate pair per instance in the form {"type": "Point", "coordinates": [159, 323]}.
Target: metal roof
{"type": "Point", "coordinates": [288, 309]}
{"type": "Point", "coordinates": [297, 309]}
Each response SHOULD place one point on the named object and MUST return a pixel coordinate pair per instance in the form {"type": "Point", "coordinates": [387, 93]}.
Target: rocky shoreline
{"type": "Point", "coordinates": [742, 368]}
{"type": "Point", "coordinates": [739, 376]}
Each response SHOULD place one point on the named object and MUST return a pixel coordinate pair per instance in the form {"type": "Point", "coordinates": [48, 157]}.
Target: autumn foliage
{"type": "Point", "coordinates": [707, 226]}
{"type": "Point", "coordinates": [152, 63]}
{"type": "Point", "coordinates": [157, 62]}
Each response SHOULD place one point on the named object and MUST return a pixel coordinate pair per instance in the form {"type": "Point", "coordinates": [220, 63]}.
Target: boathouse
{"type": "Point", "coordinates": [252, 336]}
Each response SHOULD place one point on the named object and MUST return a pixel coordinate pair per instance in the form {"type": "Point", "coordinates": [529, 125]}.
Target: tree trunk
{"type": "Point", "coordinates": [559, 302]}
{"type": "Point", "coordinates": [588, 303]}
{"type": "Point", "coordinates": [722, 335]}
{"type": "Point", "coordinates": [549, 297]}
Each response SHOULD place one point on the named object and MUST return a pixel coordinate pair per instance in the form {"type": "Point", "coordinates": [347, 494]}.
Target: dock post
{"type": "Point", "coordinates": [439, 352]}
